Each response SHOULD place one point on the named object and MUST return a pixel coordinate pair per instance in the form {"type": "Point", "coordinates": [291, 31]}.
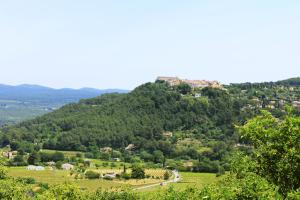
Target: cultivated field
{"type": "Point", "coordinates": [189, 179]}
{"type": "Point", "coordinates": [52, 176]}
{"type": "Point", "coordinates": [61, 176]}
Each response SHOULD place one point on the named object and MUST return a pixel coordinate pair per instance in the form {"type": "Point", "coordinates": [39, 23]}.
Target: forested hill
{"type": "Point", "coordinates": [140, 117]}
{"type": "Point", "coordinates": [156, 121]}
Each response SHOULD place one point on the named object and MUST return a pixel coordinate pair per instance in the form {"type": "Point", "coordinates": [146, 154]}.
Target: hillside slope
{"type": "Point", "coordinates": [139, 117]}
{"type": "Point", "coordinates": [159, 121]}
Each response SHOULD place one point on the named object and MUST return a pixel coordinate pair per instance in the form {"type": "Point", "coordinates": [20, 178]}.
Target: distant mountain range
{"type": "Point", "coordinates": [21, 102]}
{"type": "Point", "coordinates": [45, 95]}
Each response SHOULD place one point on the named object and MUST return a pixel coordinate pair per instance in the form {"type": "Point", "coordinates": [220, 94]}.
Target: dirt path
{"type": "Point", "coordinates": [174, 180]}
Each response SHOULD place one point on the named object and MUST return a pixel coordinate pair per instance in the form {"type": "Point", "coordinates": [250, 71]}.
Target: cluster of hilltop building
{"type": "Point", "coordinates": [173, 81]}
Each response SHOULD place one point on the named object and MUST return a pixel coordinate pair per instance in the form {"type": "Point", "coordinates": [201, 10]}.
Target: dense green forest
{"type": "Point", "coordinates": [167, 125]}
{"type": "Point", "coordinates": [270, 172]}
{"type": "Point", "coordinates": [140, 118]}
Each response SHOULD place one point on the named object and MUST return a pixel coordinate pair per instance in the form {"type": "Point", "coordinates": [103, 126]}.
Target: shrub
{"type": "Point", "coordinates": [3, 172]}
{"type": "Point", "coordinates": [137, 172]}
{"type": "Point", "coordinates": [125, 176]}
{"type": "Point", "coordinates": [108, 195]}
{"type": "Point", "coordinates": [79, 155]}
{"type": "Point", "coordinates": [108, 178]}
{"type": "Point", "coordinates": [92, 175]}
{"type": "Point", "coordinates": [87, 163]}
{"type": "Point", "coordinates": [26, 180]}
{"type": "Point", "coordinates": [166, 175]}
{"type": "Point", "coordinates": [112, 165]}
{"type": "Point", "coordinates": [97, 165]}
{"type": "Point", "coordinates": [221, 171]}
{"type": "Point", "coordinates": [105, 164]}
{"type": "Point", "coordinates": [58, 164]}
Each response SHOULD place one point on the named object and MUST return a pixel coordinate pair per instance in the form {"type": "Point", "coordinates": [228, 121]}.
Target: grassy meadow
{"type": "Point", "coordinates": [53, 177]}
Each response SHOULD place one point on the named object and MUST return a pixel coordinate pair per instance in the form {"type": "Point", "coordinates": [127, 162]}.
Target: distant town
{"type": "Point", "coordinates": [173, 81]}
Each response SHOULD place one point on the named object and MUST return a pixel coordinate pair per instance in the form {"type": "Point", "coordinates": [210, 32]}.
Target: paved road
{"type": "Point", "coordinates": [174, 180]}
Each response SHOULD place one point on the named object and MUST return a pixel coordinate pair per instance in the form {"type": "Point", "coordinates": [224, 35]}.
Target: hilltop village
{"type": "Point", "coordinates": [174, 81]}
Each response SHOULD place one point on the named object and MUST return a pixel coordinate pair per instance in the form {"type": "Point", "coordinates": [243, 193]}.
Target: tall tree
{"type": "Point", "coordinates": [276, 149]}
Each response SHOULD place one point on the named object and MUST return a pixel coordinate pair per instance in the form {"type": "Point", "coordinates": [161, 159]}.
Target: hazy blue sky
{"type": "Point", "coordinates": [123, 43]}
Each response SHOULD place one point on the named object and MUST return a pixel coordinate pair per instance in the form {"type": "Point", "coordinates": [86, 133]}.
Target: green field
{"type": "Point", "coordinates": [60, 176]}
{"type": "Point", "coordinates": [189, 179]}
{"type": "Point", "coordinates": [198, 180]}
{"type": "Point", "coordinates": [53, 176]}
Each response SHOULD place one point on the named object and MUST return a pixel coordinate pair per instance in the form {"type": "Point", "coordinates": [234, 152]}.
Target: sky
{"type": "Point", "coordinates": [122, 44]}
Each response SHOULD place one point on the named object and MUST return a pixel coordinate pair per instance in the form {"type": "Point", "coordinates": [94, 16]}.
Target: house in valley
{"type": "Point", "coordinates": [67, 166]}
{"type": "Point", "coordinates": [110, 175]}
{"type": "Point", "coordinates": [106, 149]}
{"type": "Point", "coordinates": [296, 103]}
{"type": "Point", "coordinates": [167, 134]}
{"type": "Point", "coordinates": [35, 168]}
{"type": "Point", "coordinates": [130, 147]}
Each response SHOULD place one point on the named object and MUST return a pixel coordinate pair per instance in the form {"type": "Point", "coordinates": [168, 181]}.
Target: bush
{"type": "Point", "coordinates": [112, 165]}
{"type": "Point", "coordinates": [97, 165]}
{"type": "Point", "coordinates": [26, 180]}
{"type": "Point", "coordinates": [108, 178]}
{"type": "Point", "coordinates": [108, 195]}
{"type": "Point", "coordinates": [166, 175]}
{"type": "Point", "coordinates": [43, 186]}
{"type": "Point", "coordinates": [105, 164]}
{"type": "Point", "coordinates": [58, 164]}
{"type": "Point", "coordinates": [125, 176]}
{"type": "Point", "coordinates": [3, 172]}
{"type": "Point", "coordinates": [87, 163]}
{"type": "Point", "coordinates": [56, 156]}
{"type": "Point", "coordinates": [137, 172]}
{"type": "Point", "coordinates": [221, 171]}
{"type": "Point", "coordinates": [79, 155]}
{"type": "Point", "coordinates": [92, 175]}
{"type": "Point", "coordinates": [88, 155]}
{"type": "Point", "coordinates": [33, 158]}
{"type": "Point", "coordinates": [17, 161]}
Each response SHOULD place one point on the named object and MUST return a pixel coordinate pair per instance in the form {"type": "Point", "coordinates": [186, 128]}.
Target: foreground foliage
{"type": "Point", "coordinates": [276, 149]}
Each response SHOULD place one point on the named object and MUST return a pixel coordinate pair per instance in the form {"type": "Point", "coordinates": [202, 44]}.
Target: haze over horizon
{"type": "Point", "coordinates": [100, 44]}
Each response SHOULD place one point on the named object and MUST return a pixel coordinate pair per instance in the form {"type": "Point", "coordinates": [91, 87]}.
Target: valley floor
{"type": "Point", "coordinates": [52, 177]}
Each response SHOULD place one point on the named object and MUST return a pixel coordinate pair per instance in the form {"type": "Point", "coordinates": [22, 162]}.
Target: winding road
{"type": "Point", "coordinates": [174, 180]}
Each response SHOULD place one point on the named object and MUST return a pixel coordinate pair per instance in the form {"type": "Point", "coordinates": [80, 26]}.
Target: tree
{"type": "Point", "coordinates": [33, 158]}
{"type": "Point", "coordinates": [18, 161]}
{"type": "Point", "coordinates": [58, 156]}
{"type": "Point", "coordinates": [166, 175]}
{"type": "Point", "coordinates": [137, 172]}
{"type": "Point", "coordinates": [276, 149]}
{"type": "Point", "coordinates": [158, 156]}
{"type": "Point", "coordinates": [184, 88]}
